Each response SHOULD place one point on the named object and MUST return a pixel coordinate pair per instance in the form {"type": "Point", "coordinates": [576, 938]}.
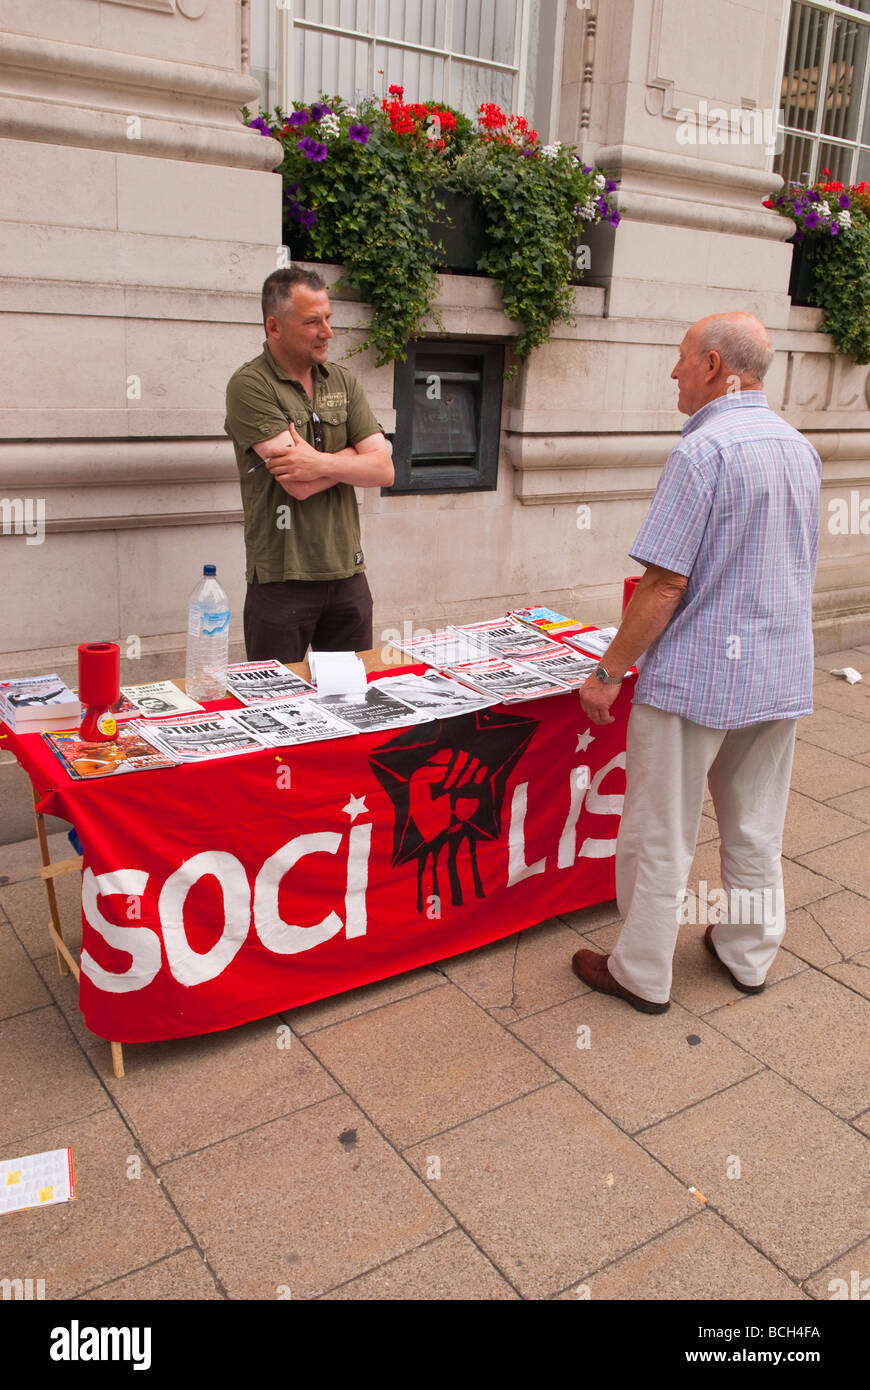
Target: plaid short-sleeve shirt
{"type": "Point", "coordinates": [737, 511]}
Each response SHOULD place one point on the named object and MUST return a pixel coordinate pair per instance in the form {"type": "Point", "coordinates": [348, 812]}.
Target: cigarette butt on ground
{"type": "Point", "coordinates": [700, 1196]}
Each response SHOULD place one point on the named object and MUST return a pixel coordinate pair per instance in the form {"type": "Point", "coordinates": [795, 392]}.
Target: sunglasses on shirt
{"type": "Point", "coordinates": [318, 439]}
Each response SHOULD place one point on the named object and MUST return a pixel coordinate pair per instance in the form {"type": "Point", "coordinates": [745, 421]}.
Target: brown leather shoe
{"type": "Point", "coordinates": [744, 989]}
{"type": "Point", "coordinates": [591, 968]}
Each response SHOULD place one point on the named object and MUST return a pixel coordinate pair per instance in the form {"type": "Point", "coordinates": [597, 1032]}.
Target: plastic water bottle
{"type": "Point", "coordinates": [208, 637]}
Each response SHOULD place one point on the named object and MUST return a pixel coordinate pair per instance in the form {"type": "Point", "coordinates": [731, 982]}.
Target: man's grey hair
{"type": "Point", "coordinates": [741, 347]}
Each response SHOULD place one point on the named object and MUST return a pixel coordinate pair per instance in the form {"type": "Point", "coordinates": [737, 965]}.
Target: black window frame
{"type": "Point", "coordinates": [480, 476]}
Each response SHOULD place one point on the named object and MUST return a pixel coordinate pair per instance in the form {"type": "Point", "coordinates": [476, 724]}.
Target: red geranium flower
{"type": "Point", "coordinates": [397, 91]}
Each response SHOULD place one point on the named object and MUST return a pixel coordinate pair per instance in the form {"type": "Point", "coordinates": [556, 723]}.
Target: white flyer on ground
{"type": "Point", "coordinates": [200, 737]}
{"type": "Point", "coordinates": [507, 680]}
{"type": "Point", "coordinates": [506, 638]}
{"type": "Point", "coordinates": [159, 698]}
{"type": "Point", "coordinates": [435, 695]}
{"type": "Point", "coordinates": [595, 642]}
{"type": "Point", "coordinates": [565, 664]}
{"type": "Point", "coordinates": [295, 721]}
{"type": "Point", "coordinates": [257, 682]}
{"type": "Point", "coordinates": [368, 711]}
{"type": "Point", "coordinates": [440, 649]}
{"type": "Point", "coordinates": [37, 1180]}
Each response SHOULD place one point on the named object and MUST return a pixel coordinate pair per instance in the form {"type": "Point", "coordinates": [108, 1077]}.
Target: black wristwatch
{"type": "Point", "coordinates": [605, 679]}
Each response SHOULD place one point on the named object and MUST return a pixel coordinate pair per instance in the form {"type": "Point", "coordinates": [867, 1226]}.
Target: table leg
{"type": "Point", "coordinates": [54, 924]}
{"type": "Point", "coordinates": [117, 1059]}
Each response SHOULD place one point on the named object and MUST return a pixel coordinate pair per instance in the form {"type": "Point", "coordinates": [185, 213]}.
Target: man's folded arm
{"type": "Point", "coordinates": [368, 463]}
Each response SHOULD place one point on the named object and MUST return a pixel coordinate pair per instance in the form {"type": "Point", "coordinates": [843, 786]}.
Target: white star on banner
{"type": "Point", "coordinates": [584, 740]}
{"type": "Point", "coordinates": [355, 806]}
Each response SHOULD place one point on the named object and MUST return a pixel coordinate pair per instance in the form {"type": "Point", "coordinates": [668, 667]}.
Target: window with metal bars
{"type": "Point", "coordinates": [826, 92]}
{"type": "Point", "coordinates": [463, 52]}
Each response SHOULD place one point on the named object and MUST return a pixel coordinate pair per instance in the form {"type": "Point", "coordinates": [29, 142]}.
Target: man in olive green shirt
{"type": "Point", "coordinates": [305, 437]}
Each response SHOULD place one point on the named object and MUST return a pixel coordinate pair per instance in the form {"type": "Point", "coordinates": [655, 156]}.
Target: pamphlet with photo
{"type": "Point", "coordinates": [295, 721]}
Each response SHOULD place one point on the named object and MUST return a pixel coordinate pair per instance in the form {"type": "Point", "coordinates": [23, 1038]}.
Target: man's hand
{"type": "Point", "coordinates": [596, 700]}
{"type": "Point", "coordinates": [298, 462]}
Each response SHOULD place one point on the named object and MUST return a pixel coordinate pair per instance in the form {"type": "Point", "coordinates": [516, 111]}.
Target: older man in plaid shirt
{"type": "Point", "coordinates": [720, 627]}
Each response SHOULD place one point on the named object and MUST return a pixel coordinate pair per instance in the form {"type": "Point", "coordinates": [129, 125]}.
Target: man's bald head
{"type": "Point", "coordinates": [741, 341]}
{"type": "Point", "coordinates": [720, 355]}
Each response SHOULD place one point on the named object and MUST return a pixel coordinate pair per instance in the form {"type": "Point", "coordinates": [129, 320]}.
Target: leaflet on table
{"type": "Point", "coordinates": [547, 620]}
{"type": "Point", "coordinates": [506, 638]}
{"type": "Point", "coordinates": [122, 709]}
{"type": "Point", "coordinates": [159, 698]}
{"type": "Point", "coordinates": [441, 649]}
{"type": "Point", "coordinates": [507, 680]}
{"type": "Point", "coordinates": [295, 721]}
{"type": "Point", "coordinates": [258, 682]}
{"type": "Point", "coordinates": [30, 704]}
{"type": "Point", "coordinates": [566, 665]}
{"type": "Point", "coordinates": [595, 642]}
{"type": "Point", "coordinates": [433, 695]}
{"type": "Point", "coordinates": [132, 750]}
{"type": "Point", "coordinates": [368, 711]}
{"type": "Point", "coordinates": [198, 737]}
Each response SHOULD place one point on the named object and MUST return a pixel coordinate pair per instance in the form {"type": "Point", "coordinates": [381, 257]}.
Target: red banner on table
{"type": "Point", "coordinates": [224, 892]}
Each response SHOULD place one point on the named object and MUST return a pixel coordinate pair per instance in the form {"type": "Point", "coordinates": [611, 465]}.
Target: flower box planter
{"type": "Point", "coordinates": [461, 230]}
{"type": "Point", "coordinates": [802, 281]}
{"type": "Point", "coordinates": [593, 255]}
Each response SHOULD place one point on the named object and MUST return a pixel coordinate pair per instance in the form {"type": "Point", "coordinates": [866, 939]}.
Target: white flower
{"type": "Point", "coordinates": [550, 151]}
{"type": "Point", "coordinates": [351, 111]}
{"type": "Point", "coordinates": [330, 125]}
{"type": "Point", "coordinates": [587, 211]}
{"type": "Point", "coordinates": [844, 217]}
{"type": "Point", "coordinates": [824, 208]}
{"type": "Point", "coordinates": [600, 182]}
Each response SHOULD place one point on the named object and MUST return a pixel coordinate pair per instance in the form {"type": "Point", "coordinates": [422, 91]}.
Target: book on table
{"type": "Point", "coordinates": [33, 704]}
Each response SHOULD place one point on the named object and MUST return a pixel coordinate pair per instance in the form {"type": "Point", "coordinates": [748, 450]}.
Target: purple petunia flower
{"type": "Point", "coordinates": [844, 200]}
{"type": "Point", "coordinates": [292, 188]}
{"type": "Point", "coordinates": [614, 219]}
{"type": "Point", "coordinates": [835, 227]}
{"type": "Point", "coordinates": [360, 133]}
{"type": "Point", "coordinates": [298, 118]}
{"type": "Point", "coordinates": [307, 218]}
{"type": "Point", "coordinates": [798, 206]}
{"type": "Point", "coordinates": [811, 221]}
{"type": "Point", "coordinates": [312, 150]}
{"type": "Point", "coordinates": [813, 196]}
{"type": "Point", "coordinates": [319, 110]}
{"type": "Point", "coordinates": [259, 124]}
{"type": "Point", "coordinates": [798, 237]}
{"type": "Point", "coordinates": [609, 186]}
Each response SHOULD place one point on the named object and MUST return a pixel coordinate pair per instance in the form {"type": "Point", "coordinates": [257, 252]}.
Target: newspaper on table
{"type": "Point", "coordinates": [123, 709]}
{"type": "Point", "coordinates": [295, 721]}
{"type": "Point", "coordinates": [257, 682]}
{"type": "Point", "coordinates": [159, 698]}
{"type": "Point", "coordinates": [507, 680]}
{"type": "Point", "coordinates": [368, 711]}
{"type": "Point", "coordinates": [434, 695]}
{"type": "Point", "coordinates": [440, 649]}
{"type": "Point", "coordinates": [595, 642]}
{"type": "Point", "coordinates": [198, 737]}
{"type": "Point", "coordinates": [506, 638]}
{"type": "Point", "coordinates": [565, 664]}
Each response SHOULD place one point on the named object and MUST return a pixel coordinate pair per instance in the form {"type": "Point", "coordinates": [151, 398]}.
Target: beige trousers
{"type": "Point", "coordinates": [669, 759]}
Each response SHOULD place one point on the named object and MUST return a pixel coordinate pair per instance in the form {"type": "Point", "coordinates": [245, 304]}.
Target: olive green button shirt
{"type": "Point", "coordinates": [284, 539]}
